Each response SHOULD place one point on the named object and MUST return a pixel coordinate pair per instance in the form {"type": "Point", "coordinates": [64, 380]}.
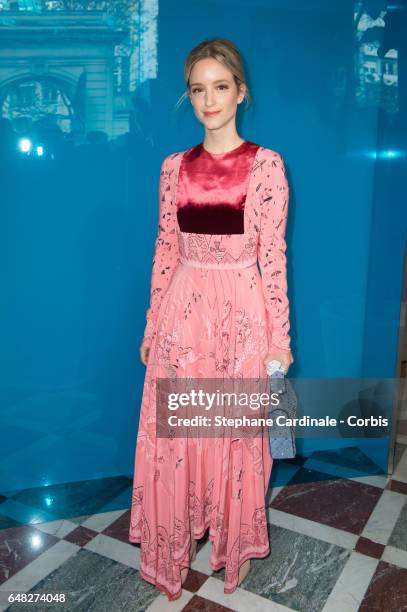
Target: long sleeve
{"type": "Point", "coordinates": [271, 251]}
{"type": "Point", "coordinates": [166, 250]}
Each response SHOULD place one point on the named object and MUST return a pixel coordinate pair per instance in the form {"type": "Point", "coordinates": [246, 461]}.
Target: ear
{"type": "Point", "coordinates": [242, 93]}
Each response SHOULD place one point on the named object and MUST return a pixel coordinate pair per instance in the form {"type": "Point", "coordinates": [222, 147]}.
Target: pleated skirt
{"type": "Point", "coordinates": [211, 324]}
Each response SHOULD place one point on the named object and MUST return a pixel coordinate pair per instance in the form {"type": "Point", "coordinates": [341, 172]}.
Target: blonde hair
{"type": "Point", "coordinates": [225, 52]}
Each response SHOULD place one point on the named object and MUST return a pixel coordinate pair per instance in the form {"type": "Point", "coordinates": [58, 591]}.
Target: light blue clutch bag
{"type": "Point", "coordinates": [281, 436]}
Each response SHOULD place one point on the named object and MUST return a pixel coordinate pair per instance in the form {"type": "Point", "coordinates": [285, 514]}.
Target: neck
{"type": "Point", "coordinates": [217, 141]}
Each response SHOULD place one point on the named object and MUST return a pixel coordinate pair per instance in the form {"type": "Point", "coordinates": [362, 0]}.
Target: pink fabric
{"type": "Point", "coordinates": [211, 315]}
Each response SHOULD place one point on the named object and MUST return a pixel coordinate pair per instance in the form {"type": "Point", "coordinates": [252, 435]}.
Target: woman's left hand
{"type": "Point", "coordinates": [285, 358]}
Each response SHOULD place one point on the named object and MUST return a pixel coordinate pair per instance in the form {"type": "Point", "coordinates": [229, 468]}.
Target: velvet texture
{"type": "Point", "coordinates": [212, 189]}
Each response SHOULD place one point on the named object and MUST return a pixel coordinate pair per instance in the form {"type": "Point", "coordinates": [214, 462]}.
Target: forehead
{"type": "Point", "coordinates": [209, 70]}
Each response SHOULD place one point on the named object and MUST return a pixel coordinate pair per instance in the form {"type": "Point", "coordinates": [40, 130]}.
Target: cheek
{"type": "Point", "coordinates": [230, 102]}
{"type": "Point", "coordinates": [197, 105]}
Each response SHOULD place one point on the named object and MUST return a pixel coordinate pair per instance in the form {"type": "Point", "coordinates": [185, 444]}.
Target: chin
{"type": "Point", "coordinates": [210, 126]}
{"type": "Point", "coordinates": [211, 120]}
{"type": "Point", "coordinates": [214, 122]}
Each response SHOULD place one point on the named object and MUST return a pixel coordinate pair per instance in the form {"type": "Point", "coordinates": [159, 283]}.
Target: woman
{"type": "Point", "coordinates": [223, 205]}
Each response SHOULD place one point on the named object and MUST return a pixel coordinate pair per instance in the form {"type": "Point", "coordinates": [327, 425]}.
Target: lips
{"type": "Point", "coordinates": [211, 114]}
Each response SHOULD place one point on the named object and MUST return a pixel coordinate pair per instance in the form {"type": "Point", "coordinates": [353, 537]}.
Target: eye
{"type": "Point", "coordinates": [198, 89]}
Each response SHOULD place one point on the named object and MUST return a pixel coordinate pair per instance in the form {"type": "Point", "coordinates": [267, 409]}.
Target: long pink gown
{"type": "Point", "coordinates": [212, 314]}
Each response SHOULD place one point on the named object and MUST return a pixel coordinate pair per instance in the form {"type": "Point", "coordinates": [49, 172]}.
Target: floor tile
{"type": "Point", "coordinates": [31, 574]}
{"type": "Point", "coordinates": [119, 529]}
{"type": "Point", "coordinates": [198, 604]}
{"type": "Point", "coordinates": [395, 556]}
{"type": "Point", "coordinates": [299, 573]}
{"type": "Point", "coordinates": [93, 582]}
{"type": "Point", "coordinates": [81, 536]}
{"type": "Point", "coordinates": [161, 603]}
{"type": "Point", "coordinates": [240, 600]}
{"type": "Point", "coordinates": [387, 590]}
{"type": "Point", "coordinates": [99, 521]}
{"type": "Point", "coordinates": [370, 548]}
{"type": "Point", "coordinates": [127, 554]}
{"type": "Point", "coordinates": [397, 485]}
{"type": "Point", "coordinates": [351, 585]}
{"type": "Point", "coordinates": [380, 480]}
{"type": "Point", "coordinates": [329, 537]}
{"type": "Point", "coordinates": [19, 546]}
{"type": "Point", "coordinates": [398, 537]}
{"type": "Point", "coordinates": [312, 528]}
{"type": "Point", "coordinates": [201, 563]}
{"type": "Point", "coordinates": [343, 504]}
{"type": "Point", "coordinates": [194, 580]}
{"type": "Point", "coordinates": [59, 528]}
{"type": "Point", "coordinates": [384, 517]}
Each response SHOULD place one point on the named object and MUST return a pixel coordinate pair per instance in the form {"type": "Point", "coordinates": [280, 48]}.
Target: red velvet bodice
{"type": "Point", "coordinates": [212, 188]}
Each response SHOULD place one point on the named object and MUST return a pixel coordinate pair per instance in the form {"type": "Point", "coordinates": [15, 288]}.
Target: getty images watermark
{"type": "Point", "coordinates": [215, 407]}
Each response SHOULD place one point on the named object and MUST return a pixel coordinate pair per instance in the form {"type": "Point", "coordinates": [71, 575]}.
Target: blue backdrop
{"type": "Point", "coordinates": [77, 232]}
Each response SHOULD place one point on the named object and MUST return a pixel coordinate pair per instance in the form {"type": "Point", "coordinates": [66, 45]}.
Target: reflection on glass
{"type": "Point", "coordinates": [38, 100]}
{"type": "Point", "coordinates": [376, 67]}
{"type": "Point", "coordinates": [87, 74]}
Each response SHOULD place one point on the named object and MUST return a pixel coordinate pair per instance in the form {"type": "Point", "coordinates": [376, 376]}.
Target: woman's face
{"type": "Point", "coordinates": [212, 89]}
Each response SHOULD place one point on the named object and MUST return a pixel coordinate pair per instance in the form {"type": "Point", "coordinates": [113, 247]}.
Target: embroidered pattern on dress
{"type": "Point", "coordinates": [233, 336]}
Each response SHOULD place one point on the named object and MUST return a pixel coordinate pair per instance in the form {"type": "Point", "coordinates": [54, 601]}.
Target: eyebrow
{"type": "Point", "coordinates": [218, 81]}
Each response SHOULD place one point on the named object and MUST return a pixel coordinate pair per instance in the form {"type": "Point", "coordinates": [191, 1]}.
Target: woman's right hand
{"type": "Point", "coordinates": [144, 352]}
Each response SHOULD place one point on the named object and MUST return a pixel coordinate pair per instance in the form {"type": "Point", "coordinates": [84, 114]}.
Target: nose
{"type": "Point", "coordinates": [209, 99]}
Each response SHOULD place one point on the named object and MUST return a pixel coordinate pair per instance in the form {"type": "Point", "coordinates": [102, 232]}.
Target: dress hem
{"type": "Point", "coordinates": [214, 566]}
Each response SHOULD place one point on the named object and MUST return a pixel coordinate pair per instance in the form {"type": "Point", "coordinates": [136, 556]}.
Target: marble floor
{"type": "Point", "coordinates": [338, 544]}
